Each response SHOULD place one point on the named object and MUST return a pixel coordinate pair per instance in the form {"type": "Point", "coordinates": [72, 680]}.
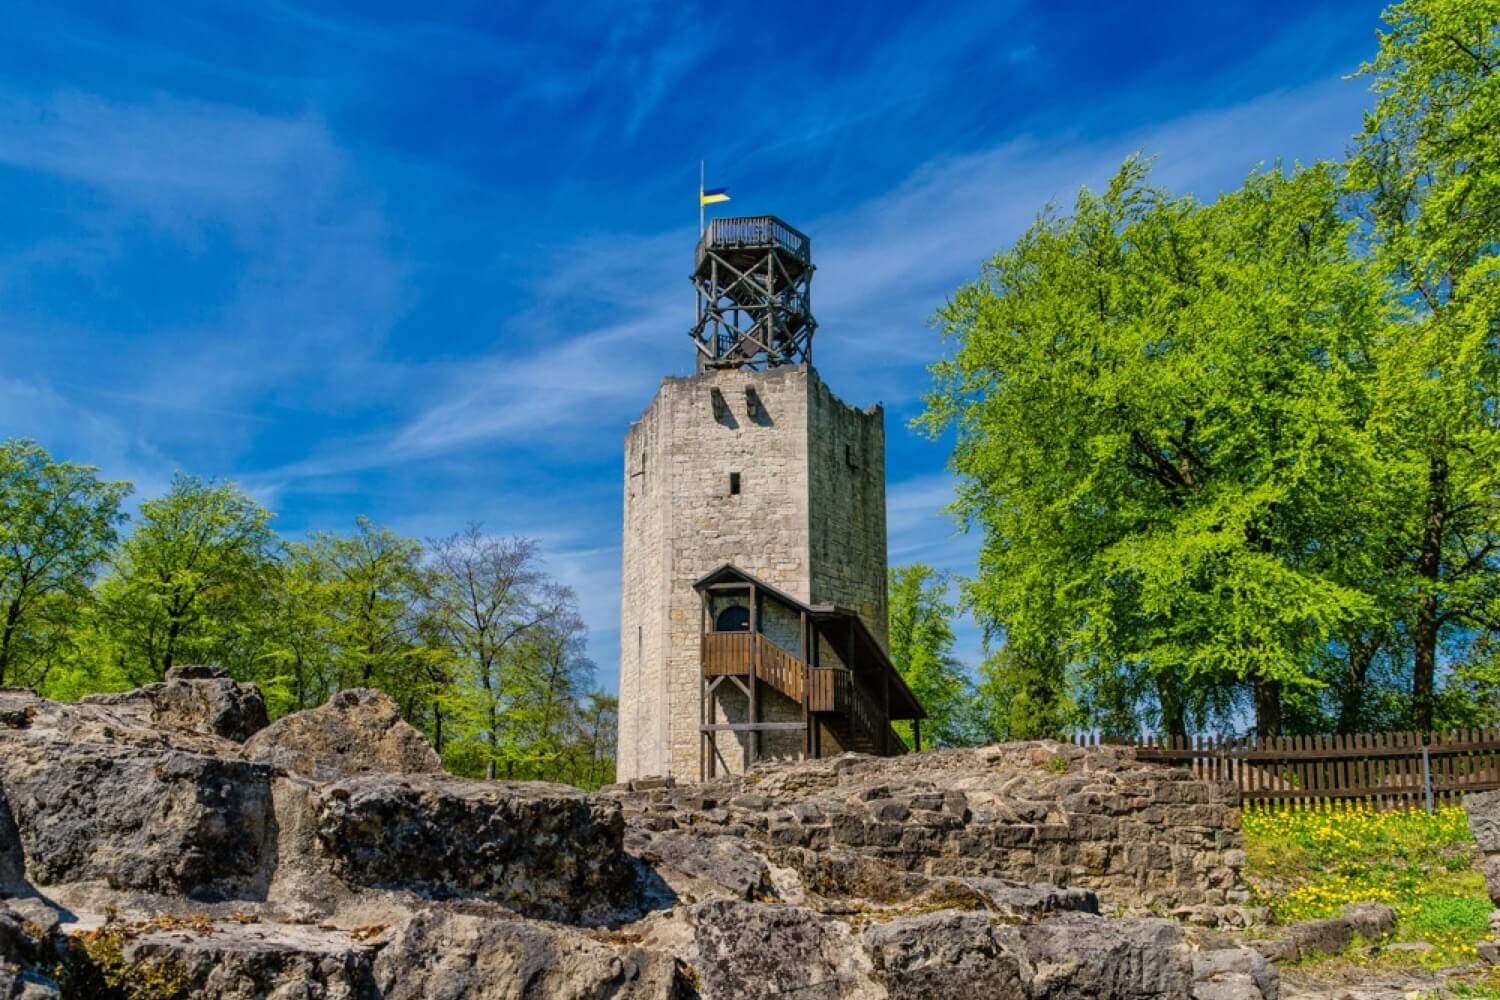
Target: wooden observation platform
{"type": "Point", "coordinates": [753, 276]}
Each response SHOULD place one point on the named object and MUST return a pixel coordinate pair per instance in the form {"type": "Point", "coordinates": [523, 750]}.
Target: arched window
{"type": "Point", "coordinates": [735, 618]}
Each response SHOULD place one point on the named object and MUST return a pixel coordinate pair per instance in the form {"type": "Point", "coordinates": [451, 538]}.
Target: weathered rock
{"type": "Point", "coordinates": [17, 707]}
{"type": "Point", "coordinates": [1275, 949]}
{"type": "Point", "coordinates": [1483, 809]}
{"type": "Point", "coordinates": [155, 820]}
{"type": "Point", "coordinates": [845, 874]}
{"type": "Point", "coordinates": [702, 867]}
{"type": "Point", "coordinates": [938, 956]}
{"type": "Point", "coordinates": [447, 954]}
{"type": "Point", "coordinates": [541, 849]}
{"type": "Point", "coordinates": [1015, 899]}
{"type": "Point", "coordinates": [1371, 921]}
{"type": "Point", "coordinates": [1320, 937]}
{"type": "Point", "coordinates": [217, 960]}
{"type": "Point", "coordinates": [358, 731]}
{"type": "Point", "coordinates": [115, 721]}
{"type": "Point", "coordinates": [757, 950]}
{"type": "Point", "coordinates": [197, 699]}
{"type": "Point", "coordinates": [12, 861]}
{"type": "Point", "coordinates": [27, 961]}
{"type": "Point", "coordinates": [1234, 974]}
{"type": "Point", "coordinates": [1079, 957]}
{"type": "Point", "coordinates": [303, 882]}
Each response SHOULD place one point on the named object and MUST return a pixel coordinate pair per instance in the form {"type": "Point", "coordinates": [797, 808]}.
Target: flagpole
{"type": "Point", "coordinates": [700, 198]}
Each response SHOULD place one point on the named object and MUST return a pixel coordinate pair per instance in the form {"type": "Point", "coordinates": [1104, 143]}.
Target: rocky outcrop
{"type": "Point", "coordinates": [543, 850]}
{"type": "Point", "coordinates": [196, 699]}
{"type": "Point", "coordinates": [1079, 957]}
{"type": "Point", "coordinates": [359, 731]}
{"type": "Point", "coordinates": [27, 961]}
{"type": "Point", "coordinates": [147, 845]}
{"type": "Point", "coordinates": [448, 953]}
{"type": "Point", "coordinates": [249, 961]}
{"type": "Point", "coordinates": [1234, 974]}
{"type": "Point", "coordinates": [939, 955]}
{"type": "Point", "coordinates": [703, 866]}
{"type": "Point", "coordinates": [12, 862]}
{"type": "Point", "coordinates": [99, 792]}
{"type": "Point", "coordinates": [162, 821]}
{"type": "Point", "coordinates": [748, 949]}
{"type": "Point", "coordinates": [745, 950]}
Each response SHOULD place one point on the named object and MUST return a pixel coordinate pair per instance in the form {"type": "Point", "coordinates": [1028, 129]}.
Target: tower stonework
{"type": "Point", "coordinates": [764, 469]}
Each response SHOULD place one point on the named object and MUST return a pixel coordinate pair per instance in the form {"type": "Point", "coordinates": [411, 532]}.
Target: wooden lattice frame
{"type": "Point", "coordinates": [754, 287]}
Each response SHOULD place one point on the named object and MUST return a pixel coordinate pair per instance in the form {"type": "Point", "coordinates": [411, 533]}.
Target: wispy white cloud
{"type": "Point", "coordinates": [179, 163]}
{"type": "Point", "coordinates": [167, 183]}
{"type": "Point", "coordinates": [76, 433]}
{"type": "Point", "coordinates": [883, 267]}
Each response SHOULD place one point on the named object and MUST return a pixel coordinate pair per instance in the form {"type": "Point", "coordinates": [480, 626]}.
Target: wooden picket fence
{"type": "Point", "coordinates": [1387, 770]}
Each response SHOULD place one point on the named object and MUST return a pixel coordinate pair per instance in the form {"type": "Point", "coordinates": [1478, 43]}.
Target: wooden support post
{"type": "Point", "coordinates": [713, 741]}
{"type": "Point", "coordinates": [916, 734]}
{"type": "Point", "coordinates": [806, 685]}
{"type": "Point", "coordinates": [885, 711]}
{"type": "Point", "coordinates": [703, 753]}
{"type": "Point", "coordinates": [752, 744]}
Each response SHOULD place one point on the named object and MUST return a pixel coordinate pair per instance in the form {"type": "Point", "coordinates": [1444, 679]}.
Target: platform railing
{"type": "Point", "coordinates": [755, 231]}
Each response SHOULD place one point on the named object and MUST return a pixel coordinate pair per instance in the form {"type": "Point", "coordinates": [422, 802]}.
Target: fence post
{"type": "Point", "coordinates": [1427, 777]}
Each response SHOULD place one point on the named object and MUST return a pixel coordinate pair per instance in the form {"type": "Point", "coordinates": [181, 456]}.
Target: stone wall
{"type": "Point", "coordinates": [847, 506]}
{"type": "Point", "coordinates": [809, 519]}
{"type": "Point", "coordinates": [1140, 835]}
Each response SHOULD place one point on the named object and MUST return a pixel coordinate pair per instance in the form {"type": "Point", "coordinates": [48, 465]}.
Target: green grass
{"type": "Point", "coordinates": [1308, 864]}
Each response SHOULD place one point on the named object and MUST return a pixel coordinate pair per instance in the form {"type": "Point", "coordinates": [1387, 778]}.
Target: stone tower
{"type": "Point", "coordinates": [752, 461]}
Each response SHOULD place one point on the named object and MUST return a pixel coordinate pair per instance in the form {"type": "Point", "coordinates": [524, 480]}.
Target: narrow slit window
{"type": "Point", "coordinates": [734, 484]}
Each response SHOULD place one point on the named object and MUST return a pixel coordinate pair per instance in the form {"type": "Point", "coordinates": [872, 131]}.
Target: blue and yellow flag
{"type": "Point", "coordinates": [712, 196]}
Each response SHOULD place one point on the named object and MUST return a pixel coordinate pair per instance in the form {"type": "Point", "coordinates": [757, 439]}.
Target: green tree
{"type": "Point", "coordinates": [1023, 694]}
{"type": "Point", "coordinates": [187, 581]}
{"type": "Point", "coordinates": [371, 596]}
{"type": "Point", "coordinates": [590, 760]}
{"type": "Point", "coordinates": [550, 672]}
{"type": "Point", "coordinates": [490, 601]}
{"type": "Point", "coordinates": [295, 663]}
{"type": "Point", "coordinates": [921, 644]}
{"type": "Point", "coordinates": [1158, 413]}
{"type": "Point", "coordinates": [1427, 172]}
{"type": "Point", "coordinates": [58, 522]}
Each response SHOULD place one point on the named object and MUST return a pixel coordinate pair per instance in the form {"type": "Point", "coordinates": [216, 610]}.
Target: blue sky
{"type": "Point", "coordinates": [426, 263]}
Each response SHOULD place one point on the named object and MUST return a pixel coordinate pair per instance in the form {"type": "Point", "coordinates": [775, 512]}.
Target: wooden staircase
{"type": "Point", "coordinates": [834, 697]}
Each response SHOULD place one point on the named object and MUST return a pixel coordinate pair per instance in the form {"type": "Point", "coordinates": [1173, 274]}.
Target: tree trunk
{"type": "Point", "coordinates": [1173, 710]}
{"type": "Point", "coordinates": [1429, 567]}
{"type": "Point", "coordinates": [1351, 701]}
{"type": "Point", "coordinates": [12, 618]}
{"type": "Point", "coordinates": [1267, 708]}
{"type": "Point", "coordinates": [174, 628]}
